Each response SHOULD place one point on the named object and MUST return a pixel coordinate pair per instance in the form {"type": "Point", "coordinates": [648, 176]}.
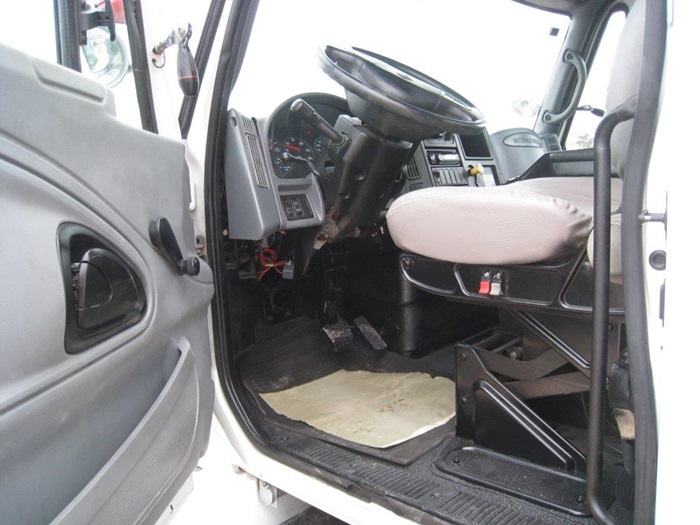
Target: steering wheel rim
{"type": "Point", "coordinates": [397, 100]}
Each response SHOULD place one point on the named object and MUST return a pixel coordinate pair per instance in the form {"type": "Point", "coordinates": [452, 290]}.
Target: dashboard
{"type": "Point", "coordinates": [270, 163]}
{"type": "Point", "coordinates": [288, 133]}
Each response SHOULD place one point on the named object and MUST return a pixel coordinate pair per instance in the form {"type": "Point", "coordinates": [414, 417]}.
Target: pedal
{"type": "Point", "coordinates": [370, 334]}
{"type": "Point", "coordinates": [340, 335]}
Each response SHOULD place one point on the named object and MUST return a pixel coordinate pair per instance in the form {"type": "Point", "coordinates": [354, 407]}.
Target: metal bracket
{"type": "Point", "coordinates": [493, 417]}
{"type": "Point", "coordinates": [267, 494]}
{"type": "Point", "coordinates": [647, 216]}
{"type": "Point", "coordinates": [92, 18]}
{"type": "Point", "coordinates": [509, 447]}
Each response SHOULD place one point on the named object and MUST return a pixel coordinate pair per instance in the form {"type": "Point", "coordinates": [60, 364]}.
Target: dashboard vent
{"type": "Point", "coordinates": [248, 125]}
{"type": "Point", "coordinates": [412, 172]}
{"type": "Point", "coordinates": [254, 147]}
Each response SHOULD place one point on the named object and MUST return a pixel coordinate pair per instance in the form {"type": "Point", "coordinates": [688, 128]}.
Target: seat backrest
{"type": "Point", "coordinates": [625, 77]}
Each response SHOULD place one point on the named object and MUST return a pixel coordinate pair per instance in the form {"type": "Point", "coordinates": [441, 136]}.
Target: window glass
{"type": "Point", "coordinates": [584, 124]}
{"type": "Point", "coordinates": [30, 27]}
{"type": "Point", "coordinates": [109, 63]}
{"type": "Point", "coordinates": [498, 54]}
{"type": "Point", "coordinates": [25, 26]}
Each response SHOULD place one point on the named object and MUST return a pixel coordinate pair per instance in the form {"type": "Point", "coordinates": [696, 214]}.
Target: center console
{"type": "Point", "coordinates": [452, 160]}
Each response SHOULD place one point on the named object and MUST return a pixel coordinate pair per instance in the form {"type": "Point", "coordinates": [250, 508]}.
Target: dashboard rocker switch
{"type": "Point", "coordinates": [485, 284]}
{"type": "Point", "coordinates": [497, 284]}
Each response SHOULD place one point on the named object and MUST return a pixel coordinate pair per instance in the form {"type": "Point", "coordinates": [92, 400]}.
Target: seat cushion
{"type": "Point", "coordinates": [538, 220]}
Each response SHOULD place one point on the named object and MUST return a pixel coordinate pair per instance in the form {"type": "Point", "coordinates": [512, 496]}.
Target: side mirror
{"type": "Point", "coordinates": [107, 59]}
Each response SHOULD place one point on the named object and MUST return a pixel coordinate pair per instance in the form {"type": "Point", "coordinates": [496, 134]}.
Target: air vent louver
{"type": "Point", "coordinates": [412, 172]}
{"type": "Point", "coordinates": [248, 125]}
{"type": "Point", "coordinates": [254, 147]}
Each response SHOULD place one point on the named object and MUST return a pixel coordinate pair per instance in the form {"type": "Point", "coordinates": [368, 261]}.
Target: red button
{"type": "Point", "coordinates": [484, 287]}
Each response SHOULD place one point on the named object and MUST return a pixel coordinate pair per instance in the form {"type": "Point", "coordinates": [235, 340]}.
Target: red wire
{"type": "Point", "coordinates": [267, 258]}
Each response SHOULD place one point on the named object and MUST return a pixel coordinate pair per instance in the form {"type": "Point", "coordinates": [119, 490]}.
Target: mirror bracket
{"type": "Point", "coordinates": [91, 18]}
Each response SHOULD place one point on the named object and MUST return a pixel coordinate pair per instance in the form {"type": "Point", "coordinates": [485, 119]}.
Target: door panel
{"type": "Point", "coordinates": [110, 432]}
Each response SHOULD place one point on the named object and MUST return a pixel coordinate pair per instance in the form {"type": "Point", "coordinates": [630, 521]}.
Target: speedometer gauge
{"type": "Point", "coordinates": [282, 168]}
{"type": "Point", "coordinates": [299, 148]}
{"type": "Point", "coordinates": [318, 145]}
{"type": "Point", "coordinates": [291, 168]}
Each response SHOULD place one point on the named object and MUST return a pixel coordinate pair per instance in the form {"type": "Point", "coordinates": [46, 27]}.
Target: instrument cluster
{"type": "Point", "coordinates": [292, 143]}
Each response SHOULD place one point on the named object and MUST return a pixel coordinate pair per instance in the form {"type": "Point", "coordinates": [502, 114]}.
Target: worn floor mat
{"type": "Point", "coordinates": [373, 409]}
{"type": "Point", "coordinates": [305, 354]}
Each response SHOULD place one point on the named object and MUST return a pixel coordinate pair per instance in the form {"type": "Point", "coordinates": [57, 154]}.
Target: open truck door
{"type": "Point", "coordinates": [106, 393]}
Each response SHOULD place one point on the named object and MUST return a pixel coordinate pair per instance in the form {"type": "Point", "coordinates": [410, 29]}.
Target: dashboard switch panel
{"type": "Point", "coordinates": [296, 207]}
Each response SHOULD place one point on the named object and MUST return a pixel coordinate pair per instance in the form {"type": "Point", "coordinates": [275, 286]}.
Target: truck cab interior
{"type": "Point", "coordinates": [434, 315]}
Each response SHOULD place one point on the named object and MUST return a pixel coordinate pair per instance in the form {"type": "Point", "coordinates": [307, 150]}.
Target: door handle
{"type": "Point", "coordinates": [104, 293]}
{"type": "Point", "coordinates": [105, 289]}
{"type": "Point", "coordinates": [163, 238]}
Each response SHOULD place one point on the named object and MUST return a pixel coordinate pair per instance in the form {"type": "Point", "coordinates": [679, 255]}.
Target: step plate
{"type": "Point", "coordinates": [553, 488]}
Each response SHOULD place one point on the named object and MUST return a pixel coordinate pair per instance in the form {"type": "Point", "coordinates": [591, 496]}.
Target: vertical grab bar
{"type": "Point", "coordinates": [601, 305]}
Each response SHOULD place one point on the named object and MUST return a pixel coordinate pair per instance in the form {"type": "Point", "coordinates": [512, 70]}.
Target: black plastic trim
{"type": "Point", "coordinates": [201, 58]}
{"type": "Point", "coordinates": [565, 286]}
{"type": "Point", "coordinates": [139, 65]}
{"type": "Point", "coordinates": [66, 18]}
{"type": "Point", "coordinates": [73, 241]}
{"type": "Point", "coordinates": [236, 36]}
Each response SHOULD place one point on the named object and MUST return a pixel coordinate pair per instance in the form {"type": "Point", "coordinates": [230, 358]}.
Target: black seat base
{"type": "Point", "coordinates": [563, 286]}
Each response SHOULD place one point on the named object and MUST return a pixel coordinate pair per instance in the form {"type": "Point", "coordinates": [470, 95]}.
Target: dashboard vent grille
{"type": "Point", "coordinates": [254, 147]}
{"type": "Point", "coordinates": [412, 172]}
{"type": "Point", "coordinates": [248, 124]}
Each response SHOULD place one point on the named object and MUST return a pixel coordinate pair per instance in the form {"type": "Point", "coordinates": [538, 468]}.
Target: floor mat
{"type": "Point", "coordinates": [304, 354]}
{"type": "Point", "coordinates": [372, 409]}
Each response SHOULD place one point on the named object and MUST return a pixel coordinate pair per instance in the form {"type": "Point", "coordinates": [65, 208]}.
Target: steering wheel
{"type": "Point", "coordinates": [397, 100]}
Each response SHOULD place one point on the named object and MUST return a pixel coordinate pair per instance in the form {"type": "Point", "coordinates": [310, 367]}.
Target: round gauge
{"type": "Point", "coordinates": [318, 146]}
{"type": "Point", "coordinates": [281, 167]}
{"type": "Point", "coordinates": [299, 148]}
{"type": "Point", "coordinates": [274, 147]}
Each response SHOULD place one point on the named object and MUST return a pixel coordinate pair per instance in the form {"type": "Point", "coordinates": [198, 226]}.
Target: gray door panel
{"type": "Point", "coordinates": [108, 434]}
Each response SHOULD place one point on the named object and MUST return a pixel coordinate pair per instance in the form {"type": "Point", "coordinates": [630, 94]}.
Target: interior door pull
{"type": "Point", "coordinates": [163, 238]}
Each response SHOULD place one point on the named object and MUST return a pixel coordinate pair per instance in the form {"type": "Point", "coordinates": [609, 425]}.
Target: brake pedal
{"type": "Point", "coordinates": [370, 334]}
{"type": "Point", "coordinates": [340, 335]}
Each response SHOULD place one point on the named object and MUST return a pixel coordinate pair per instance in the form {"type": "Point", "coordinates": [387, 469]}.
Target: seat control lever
{"type": "Point", "coordinates": [163, 238]}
